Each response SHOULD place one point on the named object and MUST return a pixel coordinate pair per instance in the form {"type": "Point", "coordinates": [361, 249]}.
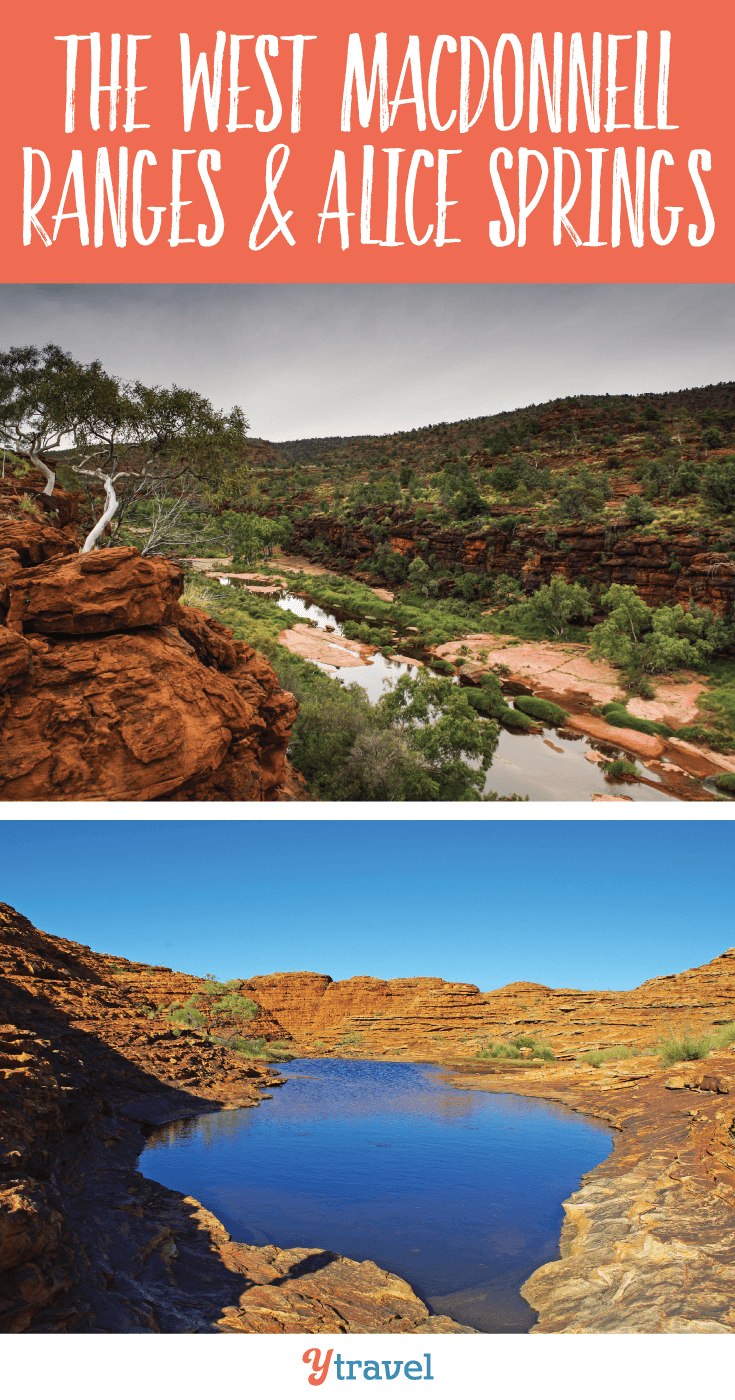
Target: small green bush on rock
{"type": "Point", "coordinates": [544, 710]}
{"type": "Point", "coordinates": [725, 782]}
{"type": "Point", "coordinates": [513, 719]}
{"type": "Point", "coordinates": [620, 768]}
{"type": "Point", "coordinates": [616, 714]}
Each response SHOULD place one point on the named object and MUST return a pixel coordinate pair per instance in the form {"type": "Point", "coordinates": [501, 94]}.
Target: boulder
{"type": "Point", "coordinates": [120, 717]}
{"type": "Point", "coordinates": [105, 591]}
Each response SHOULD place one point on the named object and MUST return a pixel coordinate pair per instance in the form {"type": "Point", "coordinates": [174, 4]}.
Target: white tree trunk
{"type": "Point", "coordinates": [47, 472]}
{"type": "Point", "coordinates": [105, 518]}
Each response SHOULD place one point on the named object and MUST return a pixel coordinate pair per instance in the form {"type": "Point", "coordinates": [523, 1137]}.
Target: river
{"type": "Point", "coordinates": [543, 767]}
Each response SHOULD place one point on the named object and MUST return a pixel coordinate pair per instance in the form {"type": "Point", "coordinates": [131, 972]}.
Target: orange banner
{"type": "Point", "coordinates": [380, 142]}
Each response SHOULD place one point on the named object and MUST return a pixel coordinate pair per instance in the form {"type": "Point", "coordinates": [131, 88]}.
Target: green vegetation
{"type": "Point", "coordinates": [640, 639]}
{"type": "Point", "coordinates": [417, 743]}
{"type": "Point", "coordinates": [512, 1048]}
{"type": "Point", "coordinates": [725, 782]}
{"type": "Point", "coordinates": [252, 538]}
{"type": "Point", "coordinates": [614, 1052]}
{"type": "Point", "coordinates": [273, 1051]}
{"type": "Point", "coordinates": [690, 1046]}
{"type": "Point", "coordinates": [554, 605]}
{"type": "Point", "coordinates": [544, 710]}
{"type": "Point", "coordinates": [169, 452]}
{"type": "Point", "coordinates": [616, 713]}
{"type": "Point", "coordinates": [619, 768]}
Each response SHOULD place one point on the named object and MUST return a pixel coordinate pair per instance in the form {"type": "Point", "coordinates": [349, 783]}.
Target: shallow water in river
{"type": "Point", "coordinates": [458, 1192]}
{"type": "Point", "coordinates": [542, 767]}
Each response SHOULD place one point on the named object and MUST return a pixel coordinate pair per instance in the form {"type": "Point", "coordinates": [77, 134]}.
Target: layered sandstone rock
{"type": "Point", "coordinates": [648, 1241]}
{"type": "Point", "coordinates": [423, 1015]}
{"type": "Point", "coordinates": [110, 690]}
{"type": "Point", "coordinates": [87, 1244]}
{"type": "Point", "coordinates": [107, 590]}
{"type": "Point", "coordinates": [687, 567]}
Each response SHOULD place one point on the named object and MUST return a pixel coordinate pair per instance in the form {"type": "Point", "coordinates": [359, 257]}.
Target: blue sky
{"type": "Point", "coordinates": [579, 904]}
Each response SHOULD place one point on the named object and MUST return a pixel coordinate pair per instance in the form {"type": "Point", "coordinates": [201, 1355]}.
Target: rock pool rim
{"type": "Point", "coordinates": [464, 1265]}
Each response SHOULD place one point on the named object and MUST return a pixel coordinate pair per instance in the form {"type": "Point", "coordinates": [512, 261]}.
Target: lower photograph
{"type": "Point", "coordinates": [388, 1077]}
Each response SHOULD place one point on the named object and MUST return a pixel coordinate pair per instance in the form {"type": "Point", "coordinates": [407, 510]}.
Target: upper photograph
{"type": "Point", "coordinates": [367, 543]}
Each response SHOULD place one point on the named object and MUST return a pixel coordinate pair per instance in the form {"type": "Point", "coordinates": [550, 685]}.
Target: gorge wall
{"type": "Point", "coordinates": [110, 690]}
{"type": "Point", "coordinates": [425, 1015]}
{"type": "Point", "coordinates": [681, 566]}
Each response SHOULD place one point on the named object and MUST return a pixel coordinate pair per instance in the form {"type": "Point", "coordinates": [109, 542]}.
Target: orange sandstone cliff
{"type": "Point", "coordinates": [426, 1016]}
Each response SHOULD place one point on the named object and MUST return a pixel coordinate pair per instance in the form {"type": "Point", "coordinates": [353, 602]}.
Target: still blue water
{"type": "Point", "coordinates": [458, 1192]}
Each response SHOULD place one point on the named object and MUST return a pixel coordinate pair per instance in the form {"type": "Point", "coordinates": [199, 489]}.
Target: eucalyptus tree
{"type": "Point", "coordinates": [170, 447]}
{"type": "Point", "coordinates": [41, 397]}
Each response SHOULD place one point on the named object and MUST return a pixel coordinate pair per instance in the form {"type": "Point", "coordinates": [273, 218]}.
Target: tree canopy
{"type": "Point", "coordinates": [142, 441]}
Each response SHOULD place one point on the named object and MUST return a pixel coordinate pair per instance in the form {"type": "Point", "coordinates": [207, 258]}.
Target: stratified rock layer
{"type": "Point", "coordinates": [422, 1014]}
{"type": "Point", "coordinates": [702, 573]}
{"type": "Point", "coordinates": [648, 1241]}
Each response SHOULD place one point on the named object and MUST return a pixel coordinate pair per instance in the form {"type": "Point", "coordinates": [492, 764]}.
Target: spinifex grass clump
{"type": "Point", "coordinates": [683, 1047]}
{"type": "Point", "coordinates": [511, 1050]}
{"type": "Point", "coordinates": [725, 782]}
{"type": "Point", "coordinates": [613, 1052]}
{"type": "Point", "coordinates": [724, 1036]}
{"type": "Point", "coordinates": [260, 1049]}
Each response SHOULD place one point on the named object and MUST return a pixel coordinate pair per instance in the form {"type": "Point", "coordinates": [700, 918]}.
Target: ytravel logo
{"type": "Point", "coordinates": [350, 1369]}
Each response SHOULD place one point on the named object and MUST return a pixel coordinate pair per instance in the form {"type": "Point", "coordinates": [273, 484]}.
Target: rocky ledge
{"type": "Point", "coordinates": [110, 690]}
{"type": "Point", "coordinates": [87, 1244]}
{"type": "Point", "coordinates": [648, 1241]}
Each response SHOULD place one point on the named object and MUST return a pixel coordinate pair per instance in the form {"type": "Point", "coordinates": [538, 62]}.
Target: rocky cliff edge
{"type": "Point", "coordinates": [110, 690]}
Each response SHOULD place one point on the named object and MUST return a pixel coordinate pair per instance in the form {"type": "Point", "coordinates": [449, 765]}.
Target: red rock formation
{"type": "Point", "coordinates": [680, 568]}
{"type": "Point", "coordinates": [108, 590]}
{"type": "Point", "coordinates": [111, 691]}
{"type": "Point", "coordinates": [424, 1015]}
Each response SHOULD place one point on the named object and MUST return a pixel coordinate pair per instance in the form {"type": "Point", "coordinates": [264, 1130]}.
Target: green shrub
{"type": "Point", "coordinates": [483, 701]}
{"type": "Point", "coordinates": [513, 719]}
{"type": "Point", "coordinates": [499, 1052]}
{"type": "Point", "coordinates": [725, 782]}
{"type": "Point", "coordinates": [439, 664]}
{"type": "Point", "coordinates": [541, 709]}
{"type": "Point", "coordinates": [619, 768]}
{"type": "Point", "coordinates": [684, 1047]}
{"type": "Point", "coordinates": [616, 714]}
{"type": "Point", "coordinates": [718, 484]}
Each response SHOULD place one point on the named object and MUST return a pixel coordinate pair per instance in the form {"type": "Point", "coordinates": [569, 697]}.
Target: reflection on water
{"type": "Point", "coordinates": [460, 1193]}
{"type": "Point", "coordinates": [374, 678]}
{"type": "Point", "coordinates": [547, 768]}
{"type": "Point", "coordinates": [542, 767]}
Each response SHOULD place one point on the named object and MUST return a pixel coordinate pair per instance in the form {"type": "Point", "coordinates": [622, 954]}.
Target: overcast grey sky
{"type": "Point", "coordinates": [307, 361]}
